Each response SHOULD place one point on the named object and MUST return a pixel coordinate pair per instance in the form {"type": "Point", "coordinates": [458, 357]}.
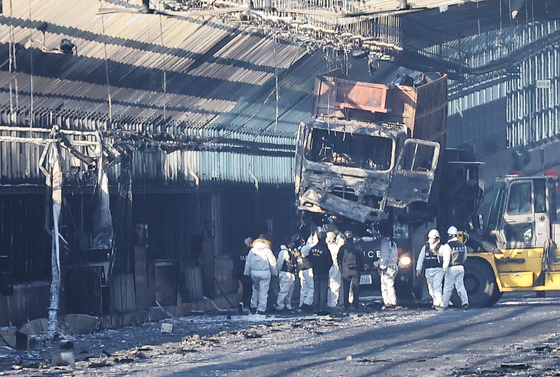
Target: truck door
{"type": "Point", "coordinates": [542, 214]}
{"type": "Point", "coordinates": [414, 173]}
{"type": "Point", "coordinates": [519, 218]}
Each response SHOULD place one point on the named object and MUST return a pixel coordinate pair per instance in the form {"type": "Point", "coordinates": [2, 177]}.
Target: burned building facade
{"type": "Point", "coordinates": [134, 164]}
{"type": "Point", "coordinates": [138, 150]}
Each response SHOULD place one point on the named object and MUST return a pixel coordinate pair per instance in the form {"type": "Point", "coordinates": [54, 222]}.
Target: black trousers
{"type": "Point", "coordinates": [247, 284]}
{"type": "Point", "coordinates": [320, 292]}
{"type": "Point", "coordinates": [353, 280]}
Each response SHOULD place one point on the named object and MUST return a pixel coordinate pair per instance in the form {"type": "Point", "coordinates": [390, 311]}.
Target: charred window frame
{"type": "Point", "coordinates": [351, 150]}
{"type": "Point", "coordinates": [417, 157]}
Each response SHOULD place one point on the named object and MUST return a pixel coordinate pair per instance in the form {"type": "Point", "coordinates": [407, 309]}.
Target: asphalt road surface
{"type": "Point", "coordinates": [517, 337]}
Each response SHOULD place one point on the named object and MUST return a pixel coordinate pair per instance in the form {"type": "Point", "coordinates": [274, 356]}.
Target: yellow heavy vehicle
{"type": "Point", "coordinates": [516, 249]}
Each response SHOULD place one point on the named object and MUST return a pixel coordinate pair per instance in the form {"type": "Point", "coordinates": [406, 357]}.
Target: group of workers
{"type": "Point", "coordinates": [328, 264]}
{"type": "Point", "coordinates": [443, 266]}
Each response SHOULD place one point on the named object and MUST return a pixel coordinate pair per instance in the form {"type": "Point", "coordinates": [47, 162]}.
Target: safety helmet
{"type": "Point", "coordinates": [452, 231]}
{"type": "Point", "coordinates": [348, 234]}
{"type": "Point", "coordinates": [433, 233]}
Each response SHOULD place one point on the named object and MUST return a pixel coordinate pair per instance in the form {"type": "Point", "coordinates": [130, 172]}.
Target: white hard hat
{"type": "Point", "coordinates": [433, 233]}
{"type": "Point", "coordinates": [452, 231]}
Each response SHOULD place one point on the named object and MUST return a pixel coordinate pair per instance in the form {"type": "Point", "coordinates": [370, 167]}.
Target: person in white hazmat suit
{"type": "Point", "coordinates": [430, 260]}
{"type": "Point", "coordinates": [454, 254]}
{"type": "Point", "coordinates": [260, 266]}
{"type": "Point", "coordinates": [287, 266]}
{"type": "Point", "coordinates": [335, 278]}
{"type": "Point", "coordinates": [388, 266]}
{"type": "Point", "coordinates": [306, 276]}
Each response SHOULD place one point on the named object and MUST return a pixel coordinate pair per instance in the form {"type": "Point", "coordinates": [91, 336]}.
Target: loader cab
{"type": "Point", "coordinates": [522, 211]}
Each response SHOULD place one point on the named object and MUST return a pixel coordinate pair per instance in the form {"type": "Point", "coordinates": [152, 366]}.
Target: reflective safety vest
{"type": "Point", "coordinates": [432, 258]}
{"type": "Point", "coordinates": [458, 252]}
{"type": "Point", "coordinates": [290, 264]}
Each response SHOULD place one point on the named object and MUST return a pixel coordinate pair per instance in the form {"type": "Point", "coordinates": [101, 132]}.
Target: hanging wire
{"type": "Point", "coordinates": [478, 17]}
{"type": "Point", "coordinates": [276, 81]}
{"type": "Point", "coordinates": [107, 72]}
{"type": "Point", "coordinates": [164, 85]}
{"type": "Point", "coordinates": [10, 52]}
{"type": "Point", "coordinates": [239, 129]}
{"type": "Point", "coordinates": [500, 16]}
{"type": "Point", "coordinates": [31, 106]}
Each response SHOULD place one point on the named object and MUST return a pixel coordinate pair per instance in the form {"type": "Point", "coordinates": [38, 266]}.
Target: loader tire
{"type": "Point", "coordinates": [496, 296]}
{"type": "Point", "coordinates": [480, 284]}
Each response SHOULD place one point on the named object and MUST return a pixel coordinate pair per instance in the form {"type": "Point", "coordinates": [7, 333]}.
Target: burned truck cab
{"type": "Point", "coordinates": [346, 168]}
{"type": "Point", "coordinates": [372, 150]}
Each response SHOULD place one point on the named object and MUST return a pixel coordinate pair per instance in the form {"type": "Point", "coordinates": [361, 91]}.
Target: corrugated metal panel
{"type": "Point", "coordinates": [207, 66]}
{"type": "Point", "coordinates": [509, 111]}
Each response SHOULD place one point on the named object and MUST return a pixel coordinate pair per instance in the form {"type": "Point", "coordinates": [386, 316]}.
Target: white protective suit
{"type": "Point", "coordinates": [335, 278]}
{"type": "Point", "coordinates": [434, 275]}
{"type": "Point", "coordinates": [260, 266]}
{"type": "Point", "coordinates": [287, 281]}
{"type": "Point", "coordinates": [454, 275]}
{"type": "Point", "coordinates": [388, 268]}
{"type": "Point", "coordinates": [306, 276]}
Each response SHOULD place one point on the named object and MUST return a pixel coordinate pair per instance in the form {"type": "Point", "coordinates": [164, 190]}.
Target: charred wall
{"type": "Point", "coordinates": [24, 243]}
{"type": "Point", "coordinates": [187, 228]}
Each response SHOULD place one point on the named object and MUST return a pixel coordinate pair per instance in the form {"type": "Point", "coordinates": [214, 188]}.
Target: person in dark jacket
{"type": "Point", "coordinates": [321, 262]}
{"type": "Point", "coordinates": [350, 264]}
{"type": "Point", "coordinates": [238, 268]}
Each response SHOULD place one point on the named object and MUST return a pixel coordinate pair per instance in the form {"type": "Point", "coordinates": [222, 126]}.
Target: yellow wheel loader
{"type": "Point", "coordinates": [516, 250]}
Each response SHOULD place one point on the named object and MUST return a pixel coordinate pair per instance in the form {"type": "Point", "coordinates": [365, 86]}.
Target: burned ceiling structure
{"type": "Point", "coordinates": [421, 35]}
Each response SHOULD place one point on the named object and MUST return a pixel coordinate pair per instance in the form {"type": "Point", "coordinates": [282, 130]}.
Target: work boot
{"type": "Point", "coordinates": [465, 306]}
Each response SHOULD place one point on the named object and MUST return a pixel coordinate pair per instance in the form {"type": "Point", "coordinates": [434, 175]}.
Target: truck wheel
{"type": "Point", "coordinates": [480, 284]}
{"type": "Point", "coordinates": [496, 296]}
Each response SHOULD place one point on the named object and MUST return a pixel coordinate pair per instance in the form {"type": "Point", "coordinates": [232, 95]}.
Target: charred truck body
{"type": "Point", "coordinates": [374, 153]}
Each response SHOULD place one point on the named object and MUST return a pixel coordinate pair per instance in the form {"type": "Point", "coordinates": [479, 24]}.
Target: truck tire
{"type": "Point", "coordinates": [480, 284]}
{"type": "Point", "coordinates": [496, 296]}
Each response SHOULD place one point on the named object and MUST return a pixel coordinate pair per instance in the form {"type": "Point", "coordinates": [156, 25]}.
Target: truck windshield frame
{"type": "Point", "coordinates": [351, 150]}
